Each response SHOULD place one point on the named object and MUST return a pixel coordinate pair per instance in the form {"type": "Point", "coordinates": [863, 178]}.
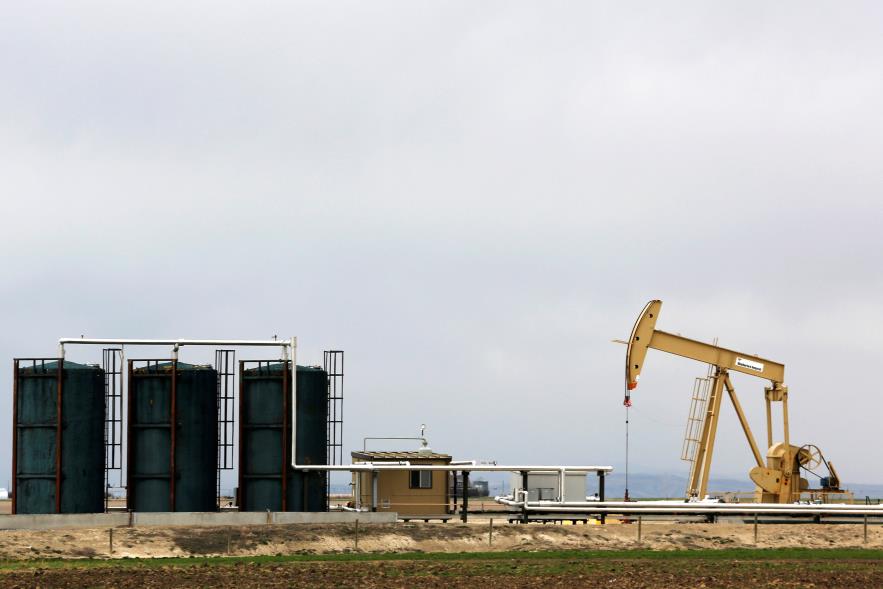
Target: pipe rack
{"type": "Point", "coordinates": [289, 351]}
{"type": "Point", "coordinates": [686, 508]}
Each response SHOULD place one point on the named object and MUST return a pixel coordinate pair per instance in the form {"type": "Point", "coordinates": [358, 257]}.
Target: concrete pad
{"type": "Point", "coordinates": [52, 521]}
{"type": "Point", "coordinates": [333, 517]}
{"type": "Point", "coordinates": [187, 519]}
{"type": "Point", "coordinates": [197, 518]}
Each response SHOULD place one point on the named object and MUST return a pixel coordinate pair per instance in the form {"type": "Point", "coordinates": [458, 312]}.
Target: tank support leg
{"type": "Point", "coordinates": [601, 478]}
{"type": "Point", "coordinates": [524, 496]}
{"type": "Point", "coordinates": [464, 513]}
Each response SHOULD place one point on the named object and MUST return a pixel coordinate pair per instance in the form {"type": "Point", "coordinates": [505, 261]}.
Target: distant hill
{"type": "Point", "coordinates": [645, 486]}
{"type": "Point", "coordinates": [665, 485]}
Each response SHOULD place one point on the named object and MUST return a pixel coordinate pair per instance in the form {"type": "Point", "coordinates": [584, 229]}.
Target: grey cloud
{"type": "Point", "coordinates": [472, 199]}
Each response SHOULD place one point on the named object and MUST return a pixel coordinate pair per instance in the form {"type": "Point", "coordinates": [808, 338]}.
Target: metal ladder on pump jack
{"type": "Point", "coordinates": [333, 366]}
{"type": "Point", "coordinates": [695, 419]}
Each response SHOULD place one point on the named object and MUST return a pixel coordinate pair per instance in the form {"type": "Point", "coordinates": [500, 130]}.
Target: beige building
{"type": "Point", "coordinates": [407, 492]}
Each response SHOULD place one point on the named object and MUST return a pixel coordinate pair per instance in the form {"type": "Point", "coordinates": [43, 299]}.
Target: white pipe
{"type": "Point", "coordinates": [693, 508]}
{"type": "Point", "coordinates": [176, 343]}
{"type": "Point", "coordinates": [369, 466]}
{"type": "Point", "coordinates": [676, 505]}
{"type": "Point", "coordinates": [172, 342]}
{"type": "Point", "coordinates": [724, 506]}
{"type": "Point", "coordinates": [293, 348]}
{"type": "Point", "coordinates": [710, 510]}
{"type": "Point", "coordinates": [286, 345]}
{"type": "Point", "coordinates": [509, 500]}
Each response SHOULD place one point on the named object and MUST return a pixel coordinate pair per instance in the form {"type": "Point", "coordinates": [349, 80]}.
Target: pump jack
{"type": "Point", "coordinates": [779, 480]}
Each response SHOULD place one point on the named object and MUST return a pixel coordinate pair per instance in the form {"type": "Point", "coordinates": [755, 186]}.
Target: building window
{"type": "Point", "coordinates": [421, 479]}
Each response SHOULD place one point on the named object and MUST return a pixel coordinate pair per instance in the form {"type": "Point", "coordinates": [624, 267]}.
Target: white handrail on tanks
{"type": "Point", "coordinates": [285, 344]}
{"type": "Point", "coordinates": [289, 350]}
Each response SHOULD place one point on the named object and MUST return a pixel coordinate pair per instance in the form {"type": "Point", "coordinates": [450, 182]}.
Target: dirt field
{"type": "Point", "coordinates": [446, 555]}
{"type": "Point", "coordinates": [727, 568]}
{"type": "Point", "coordinates": [142, 542]}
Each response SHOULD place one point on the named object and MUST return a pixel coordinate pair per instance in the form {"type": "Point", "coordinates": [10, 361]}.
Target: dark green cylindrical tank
{"type": "Point", "coordinates": [58, 460]}
{"type": "Point", "coordinates": [265, 438]}
{"type": "Point", "coordinates": [173, 437]}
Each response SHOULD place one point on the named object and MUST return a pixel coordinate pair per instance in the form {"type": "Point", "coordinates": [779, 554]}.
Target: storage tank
{"type": "Point", "coordinates": [265, 437]}
{"type": "Point", "coordinates": [173, 437]}
{"type": "Point", "coordinates": [58, 437]}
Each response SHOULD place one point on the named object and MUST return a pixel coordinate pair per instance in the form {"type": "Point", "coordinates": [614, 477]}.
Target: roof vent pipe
{"type": "Point", "coordinates": [424, 444]}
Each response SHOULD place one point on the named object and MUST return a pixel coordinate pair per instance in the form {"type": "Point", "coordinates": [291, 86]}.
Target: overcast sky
{"type": "Point", "coordinates": [470, 198]}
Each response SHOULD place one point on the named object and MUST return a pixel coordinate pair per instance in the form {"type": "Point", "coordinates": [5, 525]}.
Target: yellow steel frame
{"type": "Point", "coordinates": [645, 336]}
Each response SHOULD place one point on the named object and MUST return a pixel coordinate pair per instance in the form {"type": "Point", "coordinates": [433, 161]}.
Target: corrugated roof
{"type": "Point", "coordinates": [380, 456]}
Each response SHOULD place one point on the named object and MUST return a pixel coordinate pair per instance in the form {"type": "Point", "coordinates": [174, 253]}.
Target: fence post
{"type": "Point", "coordinates": [110, 536]}
{"type": "Point", "coordinates": [755, 528]}
{"type": "Point", "coordinates": [490, 533]}
{"type": "Point", "coordinates": [639, 529]}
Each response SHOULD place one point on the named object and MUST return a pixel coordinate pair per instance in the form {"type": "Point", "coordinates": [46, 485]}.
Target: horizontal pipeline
{"type": "Point", "coordinates": [174, 342]}
{"type": "Point", "coordinates": [507, 500]}
{"type": "Point", "coordinates": [376, 466]}
{"type": "Point", "coordinates": [286, 345]}
{"type": "Point", "coordinates": [710, 509]}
